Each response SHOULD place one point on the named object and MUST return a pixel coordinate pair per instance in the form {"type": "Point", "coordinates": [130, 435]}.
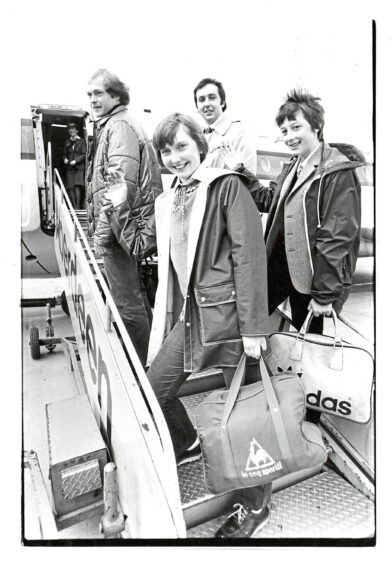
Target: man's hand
{"type": "Point", "coordinates": [319, 309]}
{"type": "Point", "coordinates": [230, 155]}
{"type": "Point", "coordinates": [72, 163]}
{"type": "Point", "coordinates": [252, 346]}
{"type": "Point", "coordinates": [114, 180]}
{"type": "Point", "coordinates": [116, 186]}
{"type": "Point", "coordinates": [66, 161]}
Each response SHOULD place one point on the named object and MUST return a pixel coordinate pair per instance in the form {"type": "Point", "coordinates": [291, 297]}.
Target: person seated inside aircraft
{"type": "Point", "coordinates": [210, 247]}
{"type": "Point", "coordinates": [313, 226]}
{"type": "Point", "coordinates": [74, 157]}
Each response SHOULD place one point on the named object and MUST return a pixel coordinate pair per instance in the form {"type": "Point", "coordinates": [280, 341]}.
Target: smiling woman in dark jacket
{"type": "Point", "coordinates": [313, 226]}
{"type": "Point", "coordinates": [211, 301]}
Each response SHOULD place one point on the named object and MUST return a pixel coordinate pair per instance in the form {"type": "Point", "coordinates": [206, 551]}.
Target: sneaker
{"type": "Point", "coordinates": [189, 455]}
{"type": "Point", "coordinates": [243, 523]}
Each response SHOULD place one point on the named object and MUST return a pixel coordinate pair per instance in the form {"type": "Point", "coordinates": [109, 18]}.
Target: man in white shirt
{"type": "Point", "coordinates": [230, 143]}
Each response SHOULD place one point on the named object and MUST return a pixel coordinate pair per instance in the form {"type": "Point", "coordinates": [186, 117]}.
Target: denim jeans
{"type": "Point", "coordinates": [125, 286]}
{"type": "Point", "coordinates": [166, 375]}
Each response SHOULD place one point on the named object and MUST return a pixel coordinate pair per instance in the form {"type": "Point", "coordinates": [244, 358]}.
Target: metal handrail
{"type": "Point", "coordinates": [152, 400]}
{"type": "Point", "coordinates": [353, 327]}
{"type": "Point", "coordinates": [49, 188]}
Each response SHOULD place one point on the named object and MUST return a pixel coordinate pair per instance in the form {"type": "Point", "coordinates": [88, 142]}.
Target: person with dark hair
{"type": "Point", "coordinates": [230, 142]}
{"type": "Point", "coordinates": [211, 251]}
{"type": "Point", "coordinates": [74, 158]}
{"type": "Point", "coordinates": [121, 148]}
{"type": "Point", "coordinates": [313, 226]}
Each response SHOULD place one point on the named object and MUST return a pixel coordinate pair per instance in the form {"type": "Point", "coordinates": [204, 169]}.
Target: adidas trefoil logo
{"type": "Point", "coordinates": [289, 369]}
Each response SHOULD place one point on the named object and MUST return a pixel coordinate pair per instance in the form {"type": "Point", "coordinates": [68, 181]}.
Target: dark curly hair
{"type": "Point", "coordinates": [301, 100]}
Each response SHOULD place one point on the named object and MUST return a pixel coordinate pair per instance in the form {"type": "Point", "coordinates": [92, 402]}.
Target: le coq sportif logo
{"type": "Point", "coordinates": [259, 462]}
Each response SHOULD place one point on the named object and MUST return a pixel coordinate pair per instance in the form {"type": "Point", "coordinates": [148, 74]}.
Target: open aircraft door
{"type": "Point", "coordinates": [42, 139]}
{"type": "Point", "coordinates": [120, 395]}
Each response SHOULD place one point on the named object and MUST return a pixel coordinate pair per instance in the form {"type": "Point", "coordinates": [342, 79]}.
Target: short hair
{"type": "Point", "coordinates": [166, 131]}
{"type": "Point", "coordinates": [301, 100]}
{"type": "Point", "coordinates": [219, 85]}
{"type": "Point", "coordinates": [113, 85]}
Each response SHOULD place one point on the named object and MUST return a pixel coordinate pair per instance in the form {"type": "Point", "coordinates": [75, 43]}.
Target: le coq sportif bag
{"type": "Point", "coordinates": [253, 434]}
{"type": "Point", "coordinates": [337, 376]}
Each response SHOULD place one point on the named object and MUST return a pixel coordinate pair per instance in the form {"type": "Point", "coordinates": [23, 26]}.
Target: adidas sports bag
{"type": "Point", "coordinates": [337, 376]}
{"type": "Point", "coordinates": [250, 435]}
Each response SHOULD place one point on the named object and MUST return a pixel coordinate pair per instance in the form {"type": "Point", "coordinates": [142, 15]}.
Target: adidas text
{"type": "Point", "coordinates": [327, 403]}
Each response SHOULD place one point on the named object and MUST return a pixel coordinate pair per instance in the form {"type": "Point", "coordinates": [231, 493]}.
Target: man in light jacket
{"type": "Point", "coordinates": [230, 143]}
{"type": "Point", "coordinates": [120, 146]}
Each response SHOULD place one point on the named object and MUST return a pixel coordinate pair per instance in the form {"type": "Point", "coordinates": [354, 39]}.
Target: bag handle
{"type": "Point", "coordinates": [276, 415]}
{"type": "Point", "coordinates": [305, 326]}
{"type": "Point", "coordinates": [236, 383]}
{"type": "Point", "coordinates": [336, 362]}
{"type": "Point", "coordinates": [277, 419]}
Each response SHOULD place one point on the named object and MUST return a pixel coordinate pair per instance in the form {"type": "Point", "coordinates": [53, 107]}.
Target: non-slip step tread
{"type": "Point", "coordinates": [324, 506]}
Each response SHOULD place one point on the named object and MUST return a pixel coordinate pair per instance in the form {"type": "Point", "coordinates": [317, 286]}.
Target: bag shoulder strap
{"type": "Point", "coordinates": [276, 414]}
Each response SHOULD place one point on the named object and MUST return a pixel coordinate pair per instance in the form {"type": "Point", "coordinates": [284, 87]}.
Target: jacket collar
{"type": "Point", "coordinates": [324, 160]}
{"type": "Point", "coordinates": [304, 162]}
{"type": "Point", "coordinates": [334, 160]}
{"type": "Point", "coordinates": [207, 175]}
{"type": "Point", "coordinates": [222, 124]}
{"type": "Point", "coordinates": [309, 165]}
{"type": "Point", "coordinates": [99, 123]}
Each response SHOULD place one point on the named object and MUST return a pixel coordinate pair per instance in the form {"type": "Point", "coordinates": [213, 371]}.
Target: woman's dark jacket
{"type": "Point", "coordinates": [76, 151]}
{"type": "Point", "coordinates": [227, 273]}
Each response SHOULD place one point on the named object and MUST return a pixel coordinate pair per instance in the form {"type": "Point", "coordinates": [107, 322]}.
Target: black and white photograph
{"type": "Point", "coordinates": [194, 274]}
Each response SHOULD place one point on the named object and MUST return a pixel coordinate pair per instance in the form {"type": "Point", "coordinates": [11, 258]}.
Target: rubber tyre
{"type": "Point", "coordinates": [34, 344]}
{"type": "Point", "coordinates": [64, 303]}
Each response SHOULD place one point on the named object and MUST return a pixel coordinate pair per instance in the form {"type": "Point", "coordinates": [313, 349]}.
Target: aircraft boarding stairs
{"type": "Point", "coordinates": [315, 503]}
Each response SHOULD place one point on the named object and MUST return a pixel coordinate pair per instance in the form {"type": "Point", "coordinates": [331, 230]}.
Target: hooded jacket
{"type": "Point", "coordinates": [120, 144]}
{"type": "Point", "coordinates": [331, 196]}
{"type": "Point", "coordinates": [226, 272]}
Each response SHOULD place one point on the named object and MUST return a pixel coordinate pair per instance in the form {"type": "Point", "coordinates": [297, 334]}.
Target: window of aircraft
{"type": "Point", "coordinates": [269, 166]}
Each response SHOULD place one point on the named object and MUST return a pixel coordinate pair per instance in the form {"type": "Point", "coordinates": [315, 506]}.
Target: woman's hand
{"type": "Point", "coordinates": [319, 309]}
{"type": "Point", "coordinates": [252, 346]}
{"type": "Point", "coordinates": [72, 163]}
{"type": "Point", "coordinates": [230, 155]}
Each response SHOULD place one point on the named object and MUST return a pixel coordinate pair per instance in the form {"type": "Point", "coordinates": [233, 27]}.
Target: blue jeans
{"type": "Point", "coordinates": [125, 286]}
{"type": "Point", "coordinates": [166, 376]}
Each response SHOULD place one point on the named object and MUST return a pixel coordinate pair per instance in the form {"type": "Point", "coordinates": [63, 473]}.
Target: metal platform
{"type": "Point", "coordinates": [191, 476]}
{"type": "Point", "coordinates": [322, 507]}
